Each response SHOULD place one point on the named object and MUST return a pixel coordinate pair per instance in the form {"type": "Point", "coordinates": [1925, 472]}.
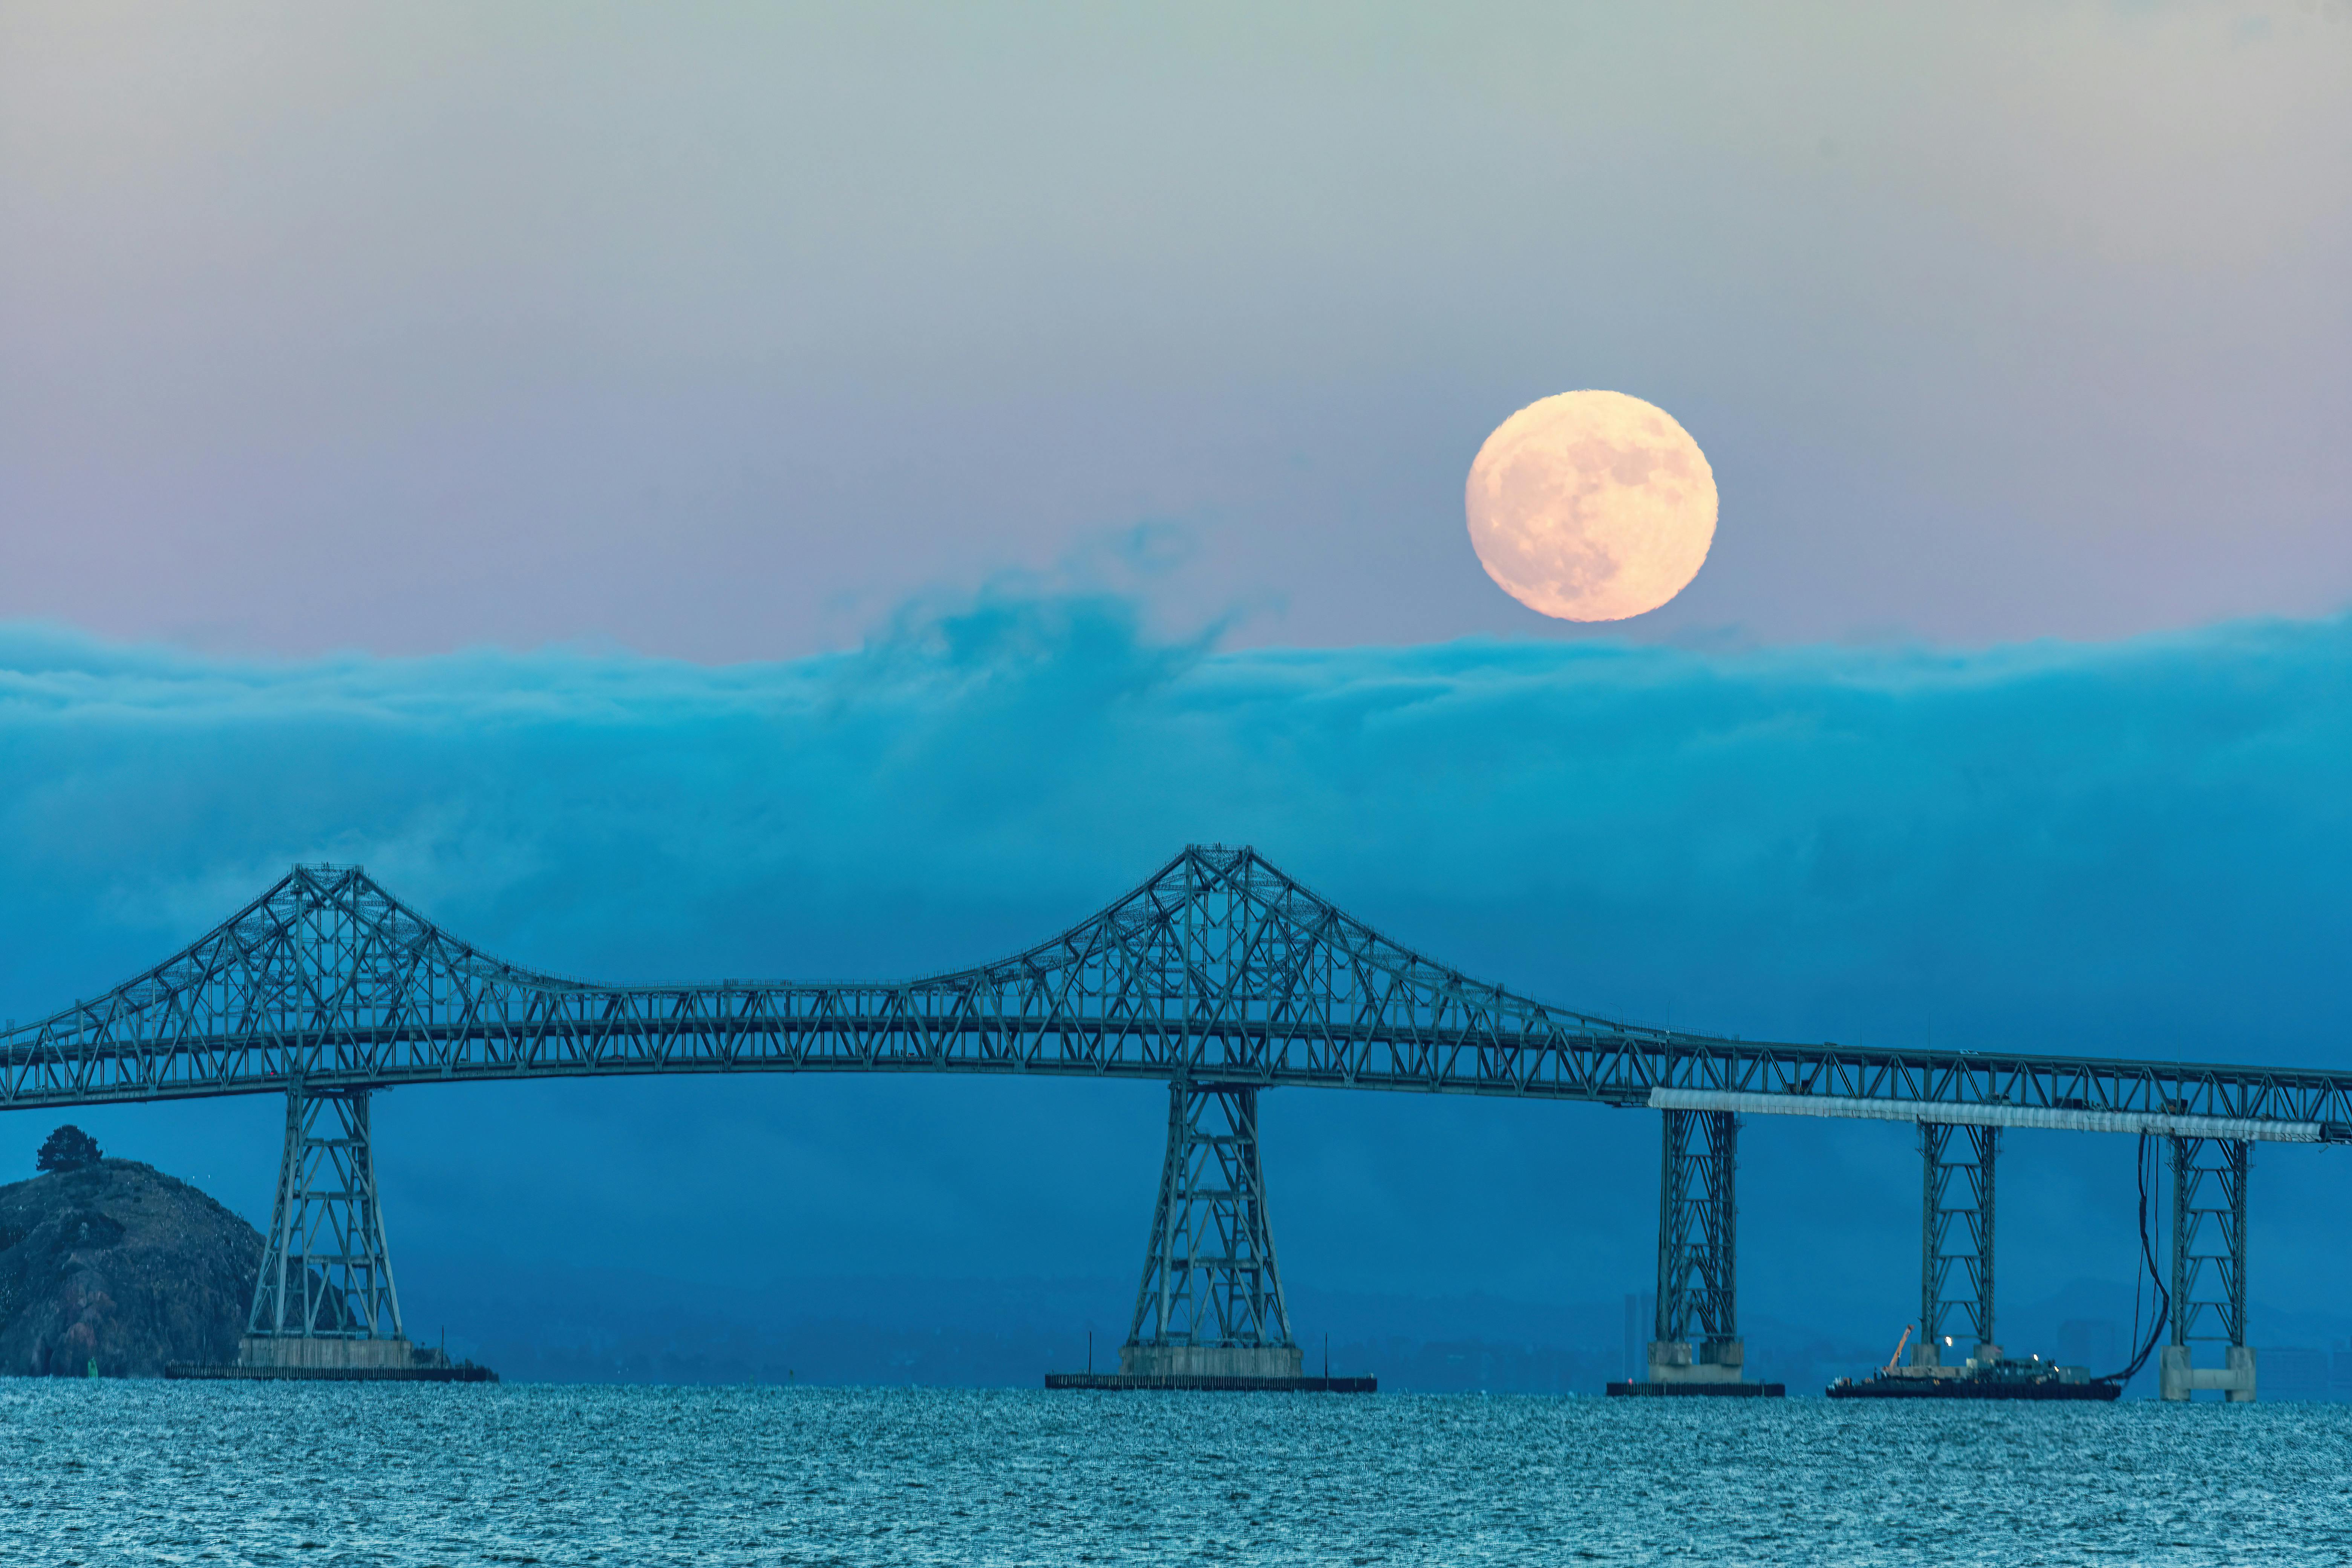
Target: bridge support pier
{"type": "Point", "coordinates": [325, 1302]}
{"type": "Point", "coordinates": [1210, 1313]}
{"type": "Point", "coordinates": [2209, 1268]}
{"type": "Point", "coordinates": [1957, 1227]}
{"type": "Point", "coordinates": [1698, 1349]}
{"type": "Point", "coordinates": [1211, 1302]}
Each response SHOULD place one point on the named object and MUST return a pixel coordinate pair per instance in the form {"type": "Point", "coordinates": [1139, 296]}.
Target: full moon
{"type": "Point", "coordinates": [1592, 506]}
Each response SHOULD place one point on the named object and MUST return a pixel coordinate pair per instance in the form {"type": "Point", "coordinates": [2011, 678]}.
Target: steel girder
{"type": "Point", "coordinates": [1698, 1215]}
{"type": "Point", "coordinates": [1218, 968]}
{"type": "Point", "coordinates": [1209, 1275]}
{"type": "Point", "coordinates": [1956, 1227]}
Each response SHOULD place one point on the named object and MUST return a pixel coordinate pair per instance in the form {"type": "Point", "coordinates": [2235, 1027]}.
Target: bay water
{"type": "Point", "coordinates": [106, 1472]}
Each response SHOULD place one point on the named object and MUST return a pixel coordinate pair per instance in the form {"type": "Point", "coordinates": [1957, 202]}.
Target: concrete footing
{"type": "Point", "coordinates": [230, 1371]}
{"type": "Point", "coordinates": [1711, 1369]}
{"type": "Point", "coordinates": [326, 1353]}
{"type": "Point", "coordinates": [1712, 1390]}
{"type": "Point", "coordinates": [1177, 1383]}
{"type": "Point", "coordinates": [2177, 1380]}
{"type": "Point", "coordinates": [295, 1358]}
{"type": "Point", "coordinates": [1714, 1361]}
{"type": "Point", "coordinates": [1223, 1369]}
{"type": "Point", "coordinates": [1211, 1361]}
{"type": "Point", "coordinates": [1212, 1369]}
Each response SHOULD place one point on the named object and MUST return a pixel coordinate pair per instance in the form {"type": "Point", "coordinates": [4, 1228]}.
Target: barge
{"type": "Point", "coordinates": [1982, 1376]}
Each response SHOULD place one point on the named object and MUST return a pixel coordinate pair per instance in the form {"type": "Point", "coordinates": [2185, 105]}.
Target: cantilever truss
{"type": "Point", "coordinates": [1220, 968]}
{"type": "Point", "coordinates": [1209, 1275]}
{"type": "Point", "coordinates": [326, 1272]}
{"type": "Point", "coordinates": [1956, 1227]}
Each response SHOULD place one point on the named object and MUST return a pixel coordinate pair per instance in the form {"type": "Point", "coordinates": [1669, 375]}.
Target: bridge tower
{"type": "Point", "coordinates": [326, 1298]}
{"type": "Point", "coordinates": [1697, 1339]}
{"type": "Point", "coordinates": [1956, 1228]}
{"type": "Point", "coordinates": [1211, 1302]}
{"type": "Point", "coordinates": [2209, 1268]}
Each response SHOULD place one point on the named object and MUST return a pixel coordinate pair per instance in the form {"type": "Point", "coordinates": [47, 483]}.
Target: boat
{"type": "Point", "coordinates": [1988, 1374]}
{"type": "Point", "coordinates": [1997, 1377]}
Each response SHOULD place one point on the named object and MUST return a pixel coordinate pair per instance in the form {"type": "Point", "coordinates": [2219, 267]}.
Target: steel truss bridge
{"type": "Point", "coordinates": [1220, 976]}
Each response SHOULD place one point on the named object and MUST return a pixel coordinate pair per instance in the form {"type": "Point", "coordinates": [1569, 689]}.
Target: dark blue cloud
{"type": "Point", "coordinates": [2133, 848]}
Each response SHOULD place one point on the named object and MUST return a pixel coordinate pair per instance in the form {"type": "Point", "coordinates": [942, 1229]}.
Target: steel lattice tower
{"type": "Point", "coordinates": [1957, 1227]}
{"type": "Point", "coordinates": [2208, 1266]}
{"type": "Point", "coordinates": [1698, 1247]}
{"type": "Point", "coordinates": [1210, 1300]}
{"type": "Point", "coordinates": [326, 1270]}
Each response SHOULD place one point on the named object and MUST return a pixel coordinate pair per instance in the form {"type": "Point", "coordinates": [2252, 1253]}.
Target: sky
{"type": "Point", "coordinates": [718, 332]}
{"type": "Point", "coordinates": [849, 490]}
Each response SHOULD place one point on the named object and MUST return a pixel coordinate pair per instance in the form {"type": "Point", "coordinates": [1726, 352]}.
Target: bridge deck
{"type": "Point", "coordinates": [1220, 969]}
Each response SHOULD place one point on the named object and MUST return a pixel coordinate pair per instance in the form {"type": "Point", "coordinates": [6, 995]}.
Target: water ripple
{"type": "Point", "coordinates": [115, 1472]}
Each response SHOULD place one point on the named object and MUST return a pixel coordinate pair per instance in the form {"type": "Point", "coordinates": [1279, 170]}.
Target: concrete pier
{"type": "Point", "coordinates": [265, 1352]}
{"type": "Point", "coordinates": [230, 1371]}
{"type": "Point", "coordinates": [1712, 1368]}
{"type": "Point", "coordinates": [1211, 1361]}
{"type": "Point", "coordinates": [1696, 1390]}
{"type": "Point", "coordinates": [1200, 1383]}
{"type": "Point", "coordinates": [1223, 1369]}
{"type": "Point", "coordinates": [262, 1358]}
{"type": "Point", "coordinates": [2176, 1380]}
{"type": "Point", "coordinates": [1714, 1361]}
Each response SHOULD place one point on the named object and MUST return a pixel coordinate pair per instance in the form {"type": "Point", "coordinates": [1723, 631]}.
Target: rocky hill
{"type": "Point", "coordinates": [118, 1263]}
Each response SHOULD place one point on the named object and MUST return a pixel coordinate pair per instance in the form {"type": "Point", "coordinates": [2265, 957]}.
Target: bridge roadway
{"type": "Point", "coordinates": [1218, 970]}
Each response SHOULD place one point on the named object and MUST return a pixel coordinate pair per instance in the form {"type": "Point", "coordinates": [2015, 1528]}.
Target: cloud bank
{"type": "Point", "coordinates": [2129, 849]}
{"type": "Point", "coordinates": [2137, 841]}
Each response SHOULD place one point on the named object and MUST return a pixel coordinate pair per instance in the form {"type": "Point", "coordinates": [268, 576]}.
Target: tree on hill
{"type": "Point", "coordinates": [67, 1149]}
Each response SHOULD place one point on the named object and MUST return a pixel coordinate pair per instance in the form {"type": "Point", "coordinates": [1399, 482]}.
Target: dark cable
{"type": "Point", "coordinates": [2139, 1284]}
{"type": "Point", "coordinates": [2163, 1296]}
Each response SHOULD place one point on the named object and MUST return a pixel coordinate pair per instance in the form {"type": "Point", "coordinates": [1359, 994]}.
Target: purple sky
{"type": "Point", "coordinates": [722, 334]}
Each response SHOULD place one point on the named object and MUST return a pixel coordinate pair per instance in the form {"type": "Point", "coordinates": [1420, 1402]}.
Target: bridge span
{"type": "Point", "coordinates": [1220, 976]}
